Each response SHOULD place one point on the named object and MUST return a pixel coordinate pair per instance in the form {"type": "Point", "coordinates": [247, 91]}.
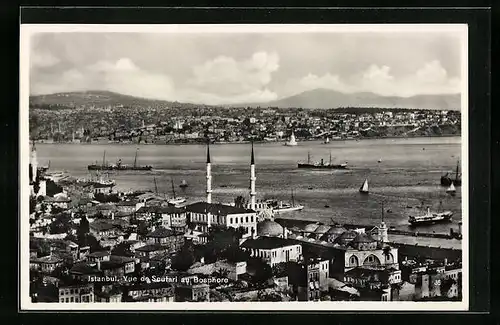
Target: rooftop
{"type": "Point", "coordinates": [269, 243]}
{"type": "Point", "coordinates": [151, 248]}
{"type": "Point", "coordinates": [162, 232]}
{"type": "Point", "coordinates": [216, 209]}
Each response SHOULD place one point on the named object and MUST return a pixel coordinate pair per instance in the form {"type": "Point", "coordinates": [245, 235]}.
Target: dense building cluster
{"type": "Point", "coordinates": [167, 125]}
{"type": "Point", "coordinates": [90, 243]}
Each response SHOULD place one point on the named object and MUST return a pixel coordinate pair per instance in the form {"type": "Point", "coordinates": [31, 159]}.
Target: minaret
{"type": "Point", "coordinates": [209, 176]}
{"type": "Point", "coordinates": [382, 229]}
{"type": "Point", "coordinates": [34, 163]}
{"type": "Point", "coordinates": [252, 181]}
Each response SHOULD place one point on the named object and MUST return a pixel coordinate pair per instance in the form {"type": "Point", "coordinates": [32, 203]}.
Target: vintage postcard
{"type": "Point", "coordinates": [244, 167]}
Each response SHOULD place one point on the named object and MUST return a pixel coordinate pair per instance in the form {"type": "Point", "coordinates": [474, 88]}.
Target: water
{"type": "Point", "coordinates": [408, 174]}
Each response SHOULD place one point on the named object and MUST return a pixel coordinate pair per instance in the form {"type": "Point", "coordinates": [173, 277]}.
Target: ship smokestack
{"type": "Point", "coordinates": [253, 193]}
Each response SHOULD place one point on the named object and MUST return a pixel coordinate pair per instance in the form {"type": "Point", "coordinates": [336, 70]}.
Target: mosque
{"type": "Point", "coordinates": [203, 215]}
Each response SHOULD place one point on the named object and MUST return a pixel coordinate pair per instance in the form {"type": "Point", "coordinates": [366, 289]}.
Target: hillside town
{"type": "Point", "coordinates": [89, 123]}
{"type": "Point", "coordinates": [90, 243]}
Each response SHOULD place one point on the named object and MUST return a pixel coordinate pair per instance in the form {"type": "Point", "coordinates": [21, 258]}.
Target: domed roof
{"type": "Point", "coordinates": [336, 230]}
{"type": "Point", "coordinates": [269, 228]}
{"type": "Point", "coordinates": [311, 227]}
{"type": "Point", "coordinates": [346, 236]}
{"type": "Point", "coordinates": [363, 238]}
{"type": "Point", "coordinates": [322, 229]}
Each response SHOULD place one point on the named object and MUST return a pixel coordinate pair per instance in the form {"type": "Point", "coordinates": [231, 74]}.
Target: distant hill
{"type": "Point", "coordinates": [318, 98]}
{"type": "Point", "coordinates": [325, 98]}
{"type": "Point", "coordinates": [100, 98]}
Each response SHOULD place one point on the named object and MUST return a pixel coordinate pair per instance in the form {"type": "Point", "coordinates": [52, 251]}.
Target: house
{"type": "Point", "coordinates": [273, 250]}
{"type": "Point", "coordinates": [170, 239]}
{"type": "Point", "coordinates": [77, 293]}
{"type": "Point", "coordinates": [151, 292]}
{"type": "Point", "coordinates": [126, 206]}
{"type": "Point", "coordinates": [102, 229]}
{"type": "Point", "coordinates": [151, 250]}
{"type": "Point", "coordinates": [107, 293]}
{"type": "Point", "coordinates": [192, 292]}
{"type": "Point", "coordinates": [174, 218]}
{"type": "Point", "coordinates": [46, 264]}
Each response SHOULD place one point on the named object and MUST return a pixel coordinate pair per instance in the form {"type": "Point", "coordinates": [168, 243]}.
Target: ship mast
{"type": "Point", "coordinates": [135, 159]}
{"type": "Point", "coordinates": [104, 159]}
{"type": "Point", "coordinates": [308, 157]}
{"type": "Point", "coordinates": [330, 158]}
{"type": "Point", "coordinates": [156, 187]}
{"type": "Point", "coordinates": [293, 201]}
{"type": "Point", "coordinates": [456, 173]}
{"type": "Point", "coordinates": [382, 211]}
{"type": "Point", "coordinates": [173, 189]}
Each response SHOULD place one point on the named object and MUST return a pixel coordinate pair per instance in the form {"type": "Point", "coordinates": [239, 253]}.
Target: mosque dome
{"type": "Point", "coordinates": [346, 237]}
{"type": "Point", "coordinates": [336, 230]}
{"type": "Point", "coordinates": [311, 227]}
{"type": "Point", "coordinates": [322, 229]}
{"type": "Point", "coordinates": [269, 228]}
{"type": "Point", "coordinates": [363, 238]}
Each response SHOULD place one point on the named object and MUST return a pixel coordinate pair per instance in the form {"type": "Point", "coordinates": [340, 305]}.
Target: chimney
{"type": "Point", "coordinates": [112, 216]}
{"type": "Point", "coordinates": [99, 264]}
{"type": "Point", "coordinates": [445, 261]}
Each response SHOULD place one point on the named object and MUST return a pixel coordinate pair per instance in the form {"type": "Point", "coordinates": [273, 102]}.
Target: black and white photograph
{"type": "Point", "coordinates": [244, 167]}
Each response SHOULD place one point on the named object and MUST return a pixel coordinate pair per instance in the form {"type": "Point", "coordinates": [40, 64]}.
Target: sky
{"type": "Point", "coordinates": [230, 68]}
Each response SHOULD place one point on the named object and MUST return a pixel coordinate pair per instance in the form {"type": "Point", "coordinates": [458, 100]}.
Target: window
{"type": "Point", "coordinates": [67, 299]}
{"type": "Point", "coordinates": [72, 299]}
{"type": "Point", "coordinates": [251, 219]}
{"type": "Point", "coordinates": [230, 220]}
{"type": "Point", "coordinates": [246, 219]}
{"type": "Point", "coordinates": [62, 299]}
{"type": "Point", "coordinates": [76, 299]}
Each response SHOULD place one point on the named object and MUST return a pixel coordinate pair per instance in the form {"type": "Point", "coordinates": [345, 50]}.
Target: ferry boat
{"type": "Point", "coordinates": [447, 180]}
{"type": "Point", "coordinates": [281, 207]}
{"type": "Point", "coordinates": [183, 184]}
{"type": "Point", "coordinates": [430, 218]}
{"type": "Point", "coordinates": [175, 199]}
{"type": "Point", "coordinates": [99, 181]}
{"type": "Point", "coordinates": [118, 165]}
{"type": "Point", "coordinates": [321, 164]}
{"type": "Point", "coordinates": [292, 141]}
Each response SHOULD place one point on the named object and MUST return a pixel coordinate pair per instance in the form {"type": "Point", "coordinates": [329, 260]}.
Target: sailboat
{"type": "Point", "coordinates": [364, 188]}
{"type": "Point", "coordinates": [183, 184]}
{"type": "Point", "coordinates": [280, 206]}
{"type": "Point", "coordinates": [451, 190]}
{"type": "Point", "coordinates": [446, 179]}
{"type": "Point", "coordinates": [176, 200]}
{"type": "Point", "coordinates": [327, 141]}
{"type": "Point", "coordinates": [292, 141]}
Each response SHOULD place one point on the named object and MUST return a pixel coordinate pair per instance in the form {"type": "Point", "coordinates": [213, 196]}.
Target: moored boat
{"type": "Point", "coordinates": [430, 218]}
{"type": "Point", "coordinates": [292, 142]}
{"type": "Point", "coordinates": [447, 180]}
{"type": "Point", "coordinates": [119, 165]}
{"type": "Point", "coordinates": [321, 164]}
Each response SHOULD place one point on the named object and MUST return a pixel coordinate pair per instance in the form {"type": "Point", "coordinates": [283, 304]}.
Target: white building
{"type": "Point", "coordinates": [273, 250]}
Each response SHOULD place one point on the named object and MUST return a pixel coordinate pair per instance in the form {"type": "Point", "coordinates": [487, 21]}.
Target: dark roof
{"type": "Point", "coordinates": [269, 228]}
{"type": "Point", "coordinates": [99, 254]}
{"type": "Point", "coordinates": [363, 238]}
{"type": "Point", "coordinates": [83, 268]}
{"type": "Point", "coordinates": [151, 248]}
{"type": "Point", "coordinates": [162, 232]}
{"type": "Point", "coordinates": [216, 208]}
{"type": "Point", "coordinates": [171, 209]}
{"type": "Point", "coordinates": [269, 243]}
{"type": "Point", "coordinates": [101, 225]}
{"type": "Point", "coordinates": [127, 203]}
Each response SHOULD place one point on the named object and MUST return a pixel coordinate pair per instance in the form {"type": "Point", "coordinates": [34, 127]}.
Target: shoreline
{"type": "Point", "coordinates": [246, 141]}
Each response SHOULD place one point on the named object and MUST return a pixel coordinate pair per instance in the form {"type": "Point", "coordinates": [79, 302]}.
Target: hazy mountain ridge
{"type": "Point", "coordinates": [317, 98]}
{"type": "Point", "coordinates": [325, 98]}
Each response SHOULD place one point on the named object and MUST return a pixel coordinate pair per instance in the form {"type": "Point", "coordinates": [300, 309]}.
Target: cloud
{"type": "Point", "coordinates": [226, 80]}
{"type": "Point", "coordinates": [431, 78]}
{"type": "Point", "coordinates": [121, 76]}
{"type": "Point", "coordinates": [43, 60]}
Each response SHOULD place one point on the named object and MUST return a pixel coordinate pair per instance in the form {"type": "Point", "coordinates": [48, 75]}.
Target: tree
{"type": "Point", "coordinates": [239, 201]}
{"type": "Point", "coordinates": [184, 258]}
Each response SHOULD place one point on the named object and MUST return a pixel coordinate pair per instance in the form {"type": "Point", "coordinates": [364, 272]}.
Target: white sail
{"type": "Point", "coordinates": [451, 189]}
{"type": "Point", "coordinates": [292, 141]}
{"type": "Point", "coordinates": [364, 187]}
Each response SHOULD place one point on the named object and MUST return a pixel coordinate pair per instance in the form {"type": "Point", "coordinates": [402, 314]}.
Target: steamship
{"type": "Point", "coordinates": [321, 164]}
{"type": "Point", "coordinates": [118, 165]}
